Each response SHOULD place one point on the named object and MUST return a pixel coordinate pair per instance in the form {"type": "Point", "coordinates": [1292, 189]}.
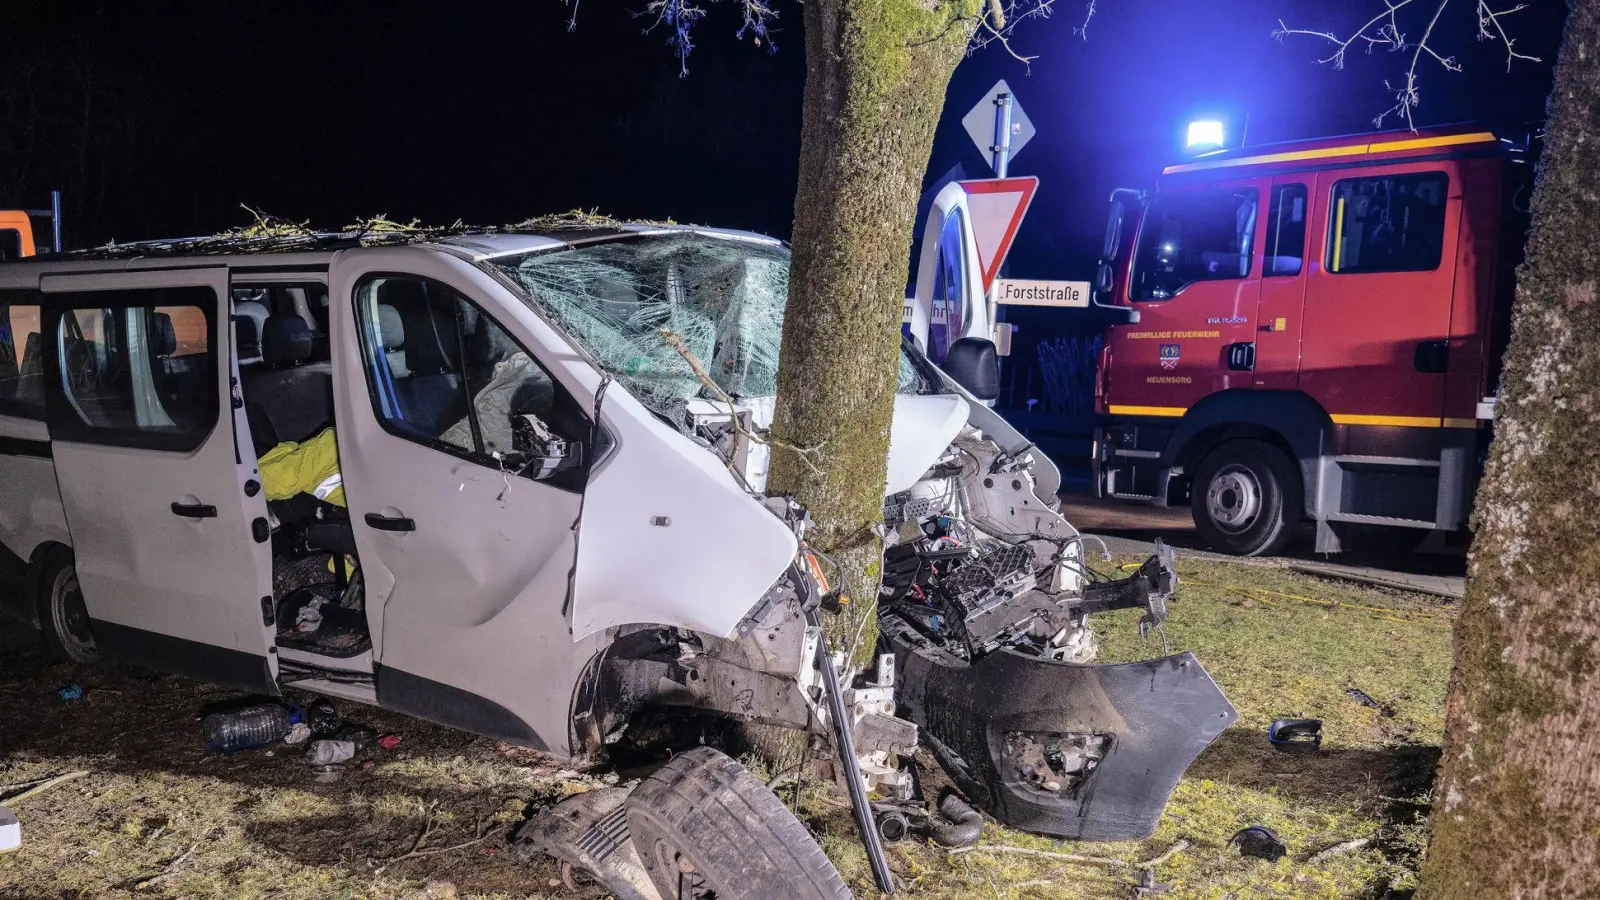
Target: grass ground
{"type": "Point", "coordinates": [156, 816]}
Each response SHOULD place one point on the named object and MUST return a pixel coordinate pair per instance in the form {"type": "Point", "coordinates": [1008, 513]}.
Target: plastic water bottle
{"type": "Point", "coordinates": [256, 725]}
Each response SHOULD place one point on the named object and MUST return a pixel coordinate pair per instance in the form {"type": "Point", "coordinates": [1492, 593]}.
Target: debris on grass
{"type": "Point", "coordinates": [71, 691]}
{"type": "Point", "coordinates": [1260, 842]}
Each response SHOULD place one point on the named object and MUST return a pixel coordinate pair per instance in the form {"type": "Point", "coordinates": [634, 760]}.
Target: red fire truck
{"type": "Point", "coordinates": [1315, 334]}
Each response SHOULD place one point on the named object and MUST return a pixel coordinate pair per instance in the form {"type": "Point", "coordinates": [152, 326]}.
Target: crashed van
{"type": "Point", "coordinates": [538, 514]}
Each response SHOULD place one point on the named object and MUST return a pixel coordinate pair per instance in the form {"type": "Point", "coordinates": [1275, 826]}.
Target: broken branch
{"type": "Point", "coordinates": [43, 786]}
{"type": "Point", "coordinates": [1045, 854]}
{"type": "Point", "coordinates": [1177, 847]}
{"type": "Point", "coordinates": [1339, 849]}
{"type": "Point", "coordinates": [765, 437]}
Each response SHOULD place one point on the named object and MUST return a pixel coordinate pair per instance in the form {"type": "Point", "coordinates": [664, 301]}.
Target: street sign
{"type": "Point", "coordinates": [1026, 292]}
{"type": "Point", "coordinates": [996, 207]}
{"type": "Point", "coordinates": [979, 122]}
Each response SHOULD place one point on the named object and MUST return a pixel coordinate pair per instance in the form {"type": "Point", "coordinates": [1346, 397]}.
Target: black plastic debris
{"type": "Point", "coordinates": [1295, 735]}
{"type": "Point", "coordinates": [1366, 699]}
{"type": "Point", "coordinates": [323, 717]}
{"type": "Point", "coordinates": [1260, 842]}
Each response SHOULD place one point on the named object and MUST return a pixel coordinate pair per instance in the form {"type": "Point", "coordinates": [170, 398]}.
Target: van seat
{"type": "Point", "coordinates": [287, 398]}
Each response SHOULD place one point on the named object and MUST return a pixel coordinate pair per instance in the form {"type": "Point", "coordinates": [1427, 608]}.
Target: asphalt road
{"type": "Point", "coordinates": [1132, 530]}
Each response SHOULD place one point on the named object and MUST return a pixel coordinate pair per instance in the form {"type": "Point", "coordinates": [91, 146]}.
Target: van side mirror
{"type": "Point", "coordinates": [538, 453]}
{"type": "Point", "coordinates": [974, 364]}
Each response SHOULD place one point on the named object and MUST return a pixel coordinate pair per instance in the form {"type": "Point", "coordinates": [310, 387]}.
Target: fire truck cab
{"type": "Point", "coordinates": [16, 234]}
{"type": "Point", "coordinates": [1317, 337]}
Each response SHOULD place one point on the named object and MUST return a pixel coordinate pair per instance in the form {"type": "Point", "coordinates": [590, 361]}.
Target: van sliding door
{"type": "Point", "coordinates": [168, 534]}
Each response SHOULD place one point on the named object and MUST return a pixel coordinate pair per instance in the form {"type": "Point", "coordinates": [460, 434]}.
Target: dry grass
{"type": "Point", "coordinates": [159, 817]}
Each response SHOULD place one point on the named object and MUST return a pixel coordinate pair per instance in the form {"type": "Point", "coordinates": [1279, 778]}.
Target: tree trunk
{"type": "Point", "coordinates": [1517, 808]}
{"type": "Point", "coordinates": [876, 73]}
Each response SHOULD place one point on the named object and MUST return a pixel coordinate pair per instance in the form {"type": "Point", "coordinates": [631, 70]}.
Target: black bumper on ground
{"type": "Point", "coordinates": [1075, 751]}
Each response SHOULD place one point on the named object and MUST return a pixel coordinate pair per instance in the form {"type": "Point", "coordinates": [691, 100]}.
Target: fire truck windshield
{"type": "Point", "coordinates": [1201, 235]}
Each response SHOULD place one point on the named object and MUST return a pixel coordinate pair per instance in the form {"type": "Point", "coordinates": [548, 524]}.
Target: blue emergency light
{"type": "Point", "coordinates": [1204, 134]}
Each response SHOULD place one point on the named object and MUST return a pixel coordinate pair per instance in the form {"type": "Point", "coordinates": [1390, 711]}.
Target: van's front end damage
{"type": "Point", "coordinates": [985, 604]}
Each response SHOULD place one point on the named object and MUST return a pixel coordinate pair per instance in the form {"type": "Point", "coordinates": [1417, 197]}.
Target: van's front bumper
{"type": "Point", "coordinates": [1075, 751]}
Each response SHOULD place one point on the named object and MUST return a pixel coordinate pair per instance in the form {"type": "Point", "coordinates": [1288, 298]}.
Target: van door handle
{"type": "Point", "coordinates": [390, 523]}
{"type": "Point", "coordinates": [194, 510]}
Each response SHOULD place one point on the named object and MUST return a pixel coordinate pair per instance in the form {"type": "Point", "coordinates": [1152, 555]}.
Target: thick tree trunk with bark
{"type": "Point", "coordinates": [876, 73]}
{"type": "Point", "coordinates": [1517, 808]}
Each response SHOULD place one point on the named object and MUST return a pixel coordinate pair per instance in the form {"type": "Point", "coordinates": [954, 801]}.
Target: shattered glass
{"type": "Point", "coordinates": [724, 297]}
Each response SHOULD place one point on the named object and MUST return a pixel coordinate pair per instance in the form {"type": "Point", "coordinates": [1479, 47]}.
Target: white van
{"type": "Point", "coordinates": [552, 528]}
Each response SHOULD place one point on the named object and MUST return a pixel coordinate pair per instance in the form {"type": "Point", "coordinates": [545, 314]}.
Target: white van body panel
{"type": "Point", "coordinates": [30, 503]}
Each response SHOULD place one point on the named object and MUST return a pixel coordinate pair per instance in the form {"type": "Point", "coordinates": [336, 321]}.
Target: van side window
{"type": "Point", "coordinates": [21, 361]}
{"type": "Point", "coordinates": [136, 368]}
{"type": "Point", "coordinates": [1190, 236]}
{"type": "Point", "coordinates": [1392, 223]}
{"type": "Point", "coordinates": [1286, 231]}
{"type": "Point", "coordinates": [441, 372]}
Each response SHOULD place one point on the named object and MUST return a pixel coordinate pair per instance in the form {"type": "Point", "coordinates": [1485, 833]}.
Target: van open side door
{"type": "Point", "coordinates": [161, 496]}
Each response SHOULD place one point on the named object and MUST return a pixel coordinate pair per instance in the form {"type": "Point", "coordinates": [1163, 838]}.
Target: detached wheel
{"type": "Point", "coordinates": [707, 829]}
{"type": "Point", "coordinates": [1246, 498]}
{"type": "Point", "coordinates": [63, 616]}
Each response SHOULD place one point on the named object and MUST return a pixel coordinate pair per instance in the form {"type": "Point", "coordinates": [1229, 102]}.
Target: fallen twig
{"type": "Point", "coordinates": [169, 871]}
{"type": "Point", "coordinates": [417, 850]}
{"type": "Point", "coordinates": [42, 786]}
{"type": "Point", "coordinates": [1023, 851]}
{"type": "Point", "coordinates": [1337, 850]}
{"type": "Point", "coordinates": [1177, 847]}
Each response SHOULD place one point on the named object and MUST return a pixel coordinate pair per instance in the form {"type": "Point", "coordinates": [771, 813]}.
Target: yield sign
{"type": "Point", "coordinates": [996, 207]}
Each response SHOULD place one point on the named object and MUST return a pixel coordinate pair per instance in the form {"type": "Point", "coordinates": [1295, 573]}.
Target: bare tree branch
{"type": "Point", "coordinates": [1384, 30]}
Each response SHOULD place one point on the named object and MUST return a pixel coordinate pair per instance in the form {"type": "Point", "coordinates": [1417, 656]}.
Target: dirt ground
{"type": "Point", "coordinates": [157, 816]}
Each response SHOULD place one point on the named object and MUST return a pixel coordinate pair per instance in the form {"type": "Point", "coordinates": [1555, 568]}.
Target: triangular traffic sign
{"type": "Point", "coordinates": [997, 206]}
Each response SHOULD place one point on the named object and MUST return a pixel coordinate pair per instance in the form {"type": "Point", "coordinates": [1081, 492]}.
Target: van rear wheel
{"type": "Point", "coordinates": [707, 829]}
{"type": "Point", "coordinates": [1246, 498]}
{"type": "Point", "coordinates": [63, 616]}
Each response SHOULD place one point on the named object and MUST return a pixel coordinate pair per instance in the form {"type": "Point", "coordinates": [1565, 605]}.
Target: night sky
{"type": "Point", "coordinates": [162, 118]}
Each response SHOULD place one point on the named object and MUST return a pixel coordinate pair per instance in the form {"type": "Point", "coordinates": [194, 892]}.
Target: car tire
{"type": "Point", "coordinates": [63, 616]}
{"type": "Point", "coordinates": [1246, 498]}
{"type": "Point", "coordinates": [705, 827]}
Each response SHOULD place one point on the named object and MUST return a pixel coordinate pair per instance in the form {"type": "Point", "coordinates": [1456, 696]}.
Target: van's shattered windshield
{"type": "Point", "coordinates": [724, 297]}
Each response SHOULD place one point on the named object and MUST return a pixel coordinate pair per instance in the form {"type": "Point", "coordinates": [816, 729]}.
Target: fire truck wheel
{"type": "Point", "coordinates": [1245, 496]}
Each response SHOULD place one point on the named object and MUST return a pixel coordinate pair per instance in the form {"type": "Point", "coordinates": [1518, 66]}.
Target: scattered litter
{"type": "Point", "coordinates": [1338, 849]}
{"type": "Point", "coordinates": [1260, 842]}
{"type": "Point", "coordinates": [234, 728]}
{"type": "Point", "coordinates": [323, 717]}
{"type": "Point", "coordinates": [270, 754]}
{"type": "Point", "coordinates": [71, 691]}
{"type": "Point", "coordinates": [326, 774]}
{"type": "Point", "coordinates": [298, 734]}
{"type": "Point", "coordinates": [1295, 735]}
{"type": "Point", "coordinates": [366, 765]}
{"type": "Point", "coordinates": [309, 618]}
{"type": "Point", "coordinates": [389, 741]}
{"type": "Point", "coordinates": [1362, 697]}
{"type": "Point", "coordinates": [10, 831]}
{"type": "Point", "coordinates": [326, 752]}
{"type": "Point", "coordinates": [360, 735]}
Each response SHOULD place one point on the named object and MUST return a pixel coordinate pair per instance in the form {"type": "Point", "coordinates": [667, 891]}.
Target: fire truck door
{"type": "Point", "coordinates": [1196, 281]}
{"type": "Point", "coordinates": [1377, 312]}
{"type": "Point", "coordinates": [1284, 270]}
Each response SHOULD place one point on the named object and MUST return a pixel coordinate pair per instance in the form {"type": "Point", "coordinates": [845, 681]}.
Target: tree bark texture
{"type": "Point", "coordinates": [1517, 807]}
{"type": "Point", "coordinates": [876, 74]}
